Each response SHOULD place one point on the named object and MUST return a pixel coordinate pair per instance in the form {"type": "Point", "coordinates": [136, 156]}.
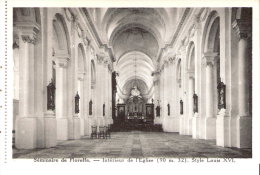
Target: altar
{"type": "Point", "coordinates": [135, 105]}
{"type": "Point", "coordinates": [135, 113]}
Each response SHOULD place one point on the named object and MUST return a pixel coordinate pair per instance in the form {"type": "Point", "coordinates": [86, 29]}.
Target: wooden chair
{"type": "Point", "coordinates": [101, 132]}
{"type": "Point", "coordinates": [107, 131]}
{"type": "Point", "coordinates": [94, 132]}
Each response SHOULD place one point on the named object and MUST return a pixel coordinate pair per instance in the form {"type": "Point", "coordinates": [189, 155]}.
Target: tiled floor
{"type": "Point", "coordinates": [136, 144]}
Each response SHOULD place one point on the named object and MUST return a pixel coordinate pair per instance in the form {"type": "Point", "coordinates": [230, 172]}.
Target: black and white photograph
{"type": "Point", "coordinates": [88, 81]}
{"type": "Point", "coordinates": [122, 87]}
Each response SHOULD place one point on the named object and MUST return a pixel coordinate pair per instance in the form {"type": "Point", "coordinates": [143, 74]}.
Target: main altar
{"type": "Point", "coordinates": [135, 113]}
{"type": "Point", "coordinates": [135, 105]}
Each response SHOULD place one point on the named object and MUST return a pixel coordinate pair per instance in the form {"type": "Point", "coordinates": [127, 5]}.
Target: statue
{"type": "Point", "coordinates": [181, 107]}
{"type": "Point", "coordinates": [158, 111]}
{"type": "Point", "coordinates": [104, 112]}
{"type": "Point", "coordinates": [221, 95]}
{"type": "Point", "coordinates": [195, 103]}
{"type": "Point", "coordinates": [168, 106]}
{"type": "Point", "coordinates": [90, 107]}
{"type": "Point", "coordinates": [51, 96]}
{"type": "Point", "coordinates": [77, 103]}
{"type": "Point", "coordinates": [135, 92]}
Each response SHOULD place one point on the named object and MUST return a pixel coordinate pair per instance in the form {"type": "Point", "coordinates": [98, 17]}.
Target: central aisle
{"type": "Point", "coordinates": [135, 144]}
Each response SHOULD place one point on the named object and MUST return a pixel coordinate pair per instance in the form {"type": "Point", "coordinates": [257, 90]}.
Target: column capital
{"type": "Point", "coordinates": [196, 21]}
{"type": "Point", "coordinates": [109, 66]}
{"type": "Point", "coordinates": [81, 76]}
{"type": "Point", "coordinates": [156, 82]}
{"type": "Point", "coordinates": [61, 59]}
{"type": "Point", "coordinates": [68, 14]}
{"type": "Point", "coordinates": [162, 68]}
{"type": "Point", "coordinates": [242, 28]}
{"type": "Point", "coordinates": [179, 82]}
{"type": "Point", "coordinates": [105, 62]}
{"type": "Point", "coordinates": [156, 77]}
{"type": "Point", "coordinates": [155, 73]}
{"type": "Point", "coordinates": [195, 26]}
{"type": "Point", "coordinates": [29, 39]}
{"type": "Point", "coordinates": [85, 39]}
{"type": "Point", "coordinates": [190, 74]}
{"type": "Point", "coordinates": [210, 58]}
{"type": "Point", "coordinates": [29, 31]}
{"type": "Point", "coordinates": [165, 63]}
{"type": "Point", "coordinates": [100, 58]}
{"type": "Point", "coordinates": [171, 60]}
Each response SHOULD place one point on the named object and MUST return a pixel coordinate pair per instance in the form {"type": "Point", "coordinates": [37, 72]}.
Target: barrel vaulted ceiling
{"type": "Point", "coordinates": [136, 36]}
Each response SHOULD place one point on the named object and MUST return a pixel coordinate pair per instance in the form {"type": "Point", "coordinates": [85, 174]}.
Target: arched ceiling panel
{"type": "Point", "coordinates": [135, 39]}
{"type": "Point", "coordinates": [136, 36]}
{"type": "Point", "coordinates": [135, 65]}
{"type": "Point", "coordinates": [115, 16]}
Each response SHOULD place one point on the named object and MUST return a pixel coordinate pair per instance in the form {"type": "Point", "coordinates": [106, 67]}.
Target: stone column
{"type": "Point", "coordinates": [244, 120]}
{"type": "Point", "coordinates": [26, 131]}
{"type": "Point", "coordinates": [110, 120]}
{"type": "Point", "coordinates": [61, 61]}
{"type": "Point", "coordinates": [105, 92]}
{"type": "Point", "coordinates": [196, 132]}
{"type": "Point", "coordinates": [81, 102]}
{"type": "Point", "coordinates": [174, 118]}
{"type": "Point", "coordinates": [164, 97]}
{"type": "Point", "coordinates": [162, 94]}
{"type": "Point", "coordinates": [191, 90]}
{"type": "Point", "coordinates": [210, 119]}
{"type": "Point", "coordinates": [99, 91]}
{"type": "Point", "coordinates": [88, 91]}
{"type": "Point", "coordinates": [156, 83]}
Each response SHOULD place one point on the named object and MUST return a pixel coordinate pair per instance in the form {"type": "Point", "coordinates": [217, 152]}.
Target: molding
{"type": "Point", "coordinates": [85, 39]}
{"type": "Point", "coordinates": [242, 28]}
{"type": "Point", "coordinates": [184, 17]}
{"type": "Point", "coordinates": [210, 58]}
{"type": "Point", "coordinates": [156, 73]}
{"type": "Point", "coordinates": [191, 74]}
{"type": "Point", "coordinates": [29, 31]}
{"type": "Point", "coordinates": [15, 41]}
{"type": "Point", "coordinates": [110, 68]}
{"type": "Point", "coordinates": [203, 14]}
{"type": "Point", "coordinates": [171, 60]}
{"type": "Point", "coordinates": [29, 39]}
{"type": "Point", "coordinates": [100, 58]}
{"type": "Point", "coordinates": [179, 82]}
{"type": "Point", "coordinates": [165, 63]}
{"type": "Point", "coordinates": [61, 62]}
{"type": "Point", "coordinates": [61, 59]}
{"type": "Point", "coordinates": [105, 62]}
{"type": "Point", "coordinates": [96, 36]}
{"type": "Point", "coordinates": [81, 76]}
{"type": "Point", "coordinates": [68, 14]}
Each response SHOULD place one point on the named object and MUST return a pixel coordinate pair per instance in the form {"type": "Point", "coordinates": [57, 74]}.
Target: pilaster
{"type": "Point", "coordinates": [244, 120]}
{"type": "Point", "coordinates": [26, 122]}
{"type": "Point", "coordinates": [210, 119]}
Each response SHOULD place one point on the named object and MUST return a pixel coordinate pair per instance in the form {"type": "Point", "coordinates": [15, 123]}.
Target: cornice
{"type": "Point", "coordinates": [180, 25]}
{"type": "Point", "coordinates": [95, 34]}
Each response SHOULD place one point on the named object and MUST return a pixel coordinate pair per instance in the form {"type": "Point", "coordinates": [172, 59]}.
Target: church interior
{"type": "Point", "coordinates": [132, 82]}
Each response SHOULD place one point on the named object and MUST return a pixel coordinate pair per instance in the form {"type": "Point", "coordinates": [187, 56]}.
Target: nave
{"type": "Point", "coordinates": [135, 144]}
